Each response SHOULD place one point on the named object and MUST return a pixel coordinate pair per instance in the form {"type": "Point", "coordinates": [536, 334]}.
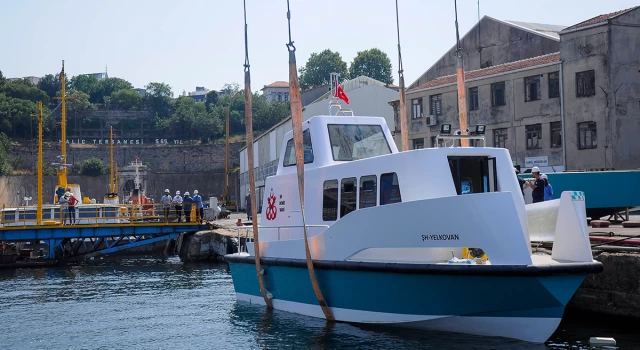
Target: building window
{"type": "Point", "coordinates": [416, 108]}
{"type": "Point", "coordinates": [330, 200]}
{"type": "Point", "coordinates": [556, 134]}
{"type": "Point", "coordinates": [473, 99]}
{"type": "Point", "coordinates": [554, 85]}
{"type": "Point", "coordinates": [435, 104]}
{"type": "Point", "coordinates": [586, 84]}
{"type": "Point", "coordinates": [500, 137]}
{"type": "Point", "coordinates": [587, 135]}
{"type": "Point", "coordinates": [418, 143]}
{"type": "Point", "coordinates": [290, 154]}
{"type": "Point", "coordinates": [368, 191]}
{"type": "Point", "coordinates": [433, 141]}
{"type": "Point", "coordinates": [497, 95]}
{"type": "Point", "coordinates": [532, 88]}
{"type": "Point", "coordinates": [389, 189]}
{"type": "Point", "coordinates": [348, 196]}
{"type": "Point", "coordinates": [534, 135]}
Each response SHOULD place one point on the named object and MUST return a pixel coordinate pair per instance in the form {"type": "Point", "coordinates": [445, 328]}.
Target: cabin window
{"type": "Point", "coordinates": [348, 196]}
{"type": "Point", "coordinates": [290, 154]}
{"type": "Point", "coordinates": [473, 174]}
{"type": "Point", "coordinates": [368, 191]}
{"type": "Point", "coordinates": [389, 189]}
{"type": "Point", "coordinates": [330, 200]}
{"type": "Point", "coordinates": [353, 141]}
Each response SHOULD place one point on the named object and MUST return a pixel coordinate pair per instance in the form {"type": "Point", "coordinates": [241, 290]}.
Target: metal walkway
{"type": "Point", "coordinates": [64, 242]}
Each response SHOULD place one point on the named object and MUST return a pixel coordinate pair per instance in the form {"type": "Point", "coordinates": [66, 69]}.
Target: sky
{"type": "Point", "coordinates": [201, 42]}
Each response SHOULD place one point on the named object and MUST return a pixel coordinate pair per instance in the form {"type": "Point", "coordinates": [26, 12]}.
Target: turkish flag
{"type": "Point", "coordinates": [340, 93]}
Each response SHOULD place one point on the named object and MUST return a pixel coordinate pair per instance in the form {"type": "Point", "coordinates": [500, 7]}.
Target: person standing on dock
{"type": "Point", "coordinates": [197, 200]}
{"type": "Point", "coordinates": [521, 181]}
{"type": "Point", "coordinates": [166, 204]}
{"type": "Point", "coordinates": [188, 204]}
{"type": "Point", "coordinates": [72, 208]}
{"type": "Point", "coordinates": [177, 203]}
{"type": "Point", "coordinates": [247, 204]}
{"type": "Point", "coordinates": [548, 190]}
{"type": "Point", "coordinates": [64, 208]}
{"type": "Point", "coordinates": [537, 185]}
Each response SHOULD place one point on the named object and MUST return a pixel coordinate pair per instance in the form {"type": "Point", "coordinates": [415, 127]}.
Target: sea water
{"type": "Point", "coordinates": [145, 303]}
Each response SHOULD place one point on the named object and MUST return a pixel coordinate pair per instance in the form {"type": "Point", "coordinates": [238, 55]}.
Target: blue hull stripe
{"type": "Point", "coordinates": [415, 294]}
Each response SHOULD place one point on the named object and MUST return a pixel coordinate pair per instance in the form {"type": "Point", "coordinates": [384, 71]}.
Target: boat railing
{"type": "Point", "coordinates": [96, 214]}
{"type": "Point", "coordinates": [249, 229]}
{"type": "Point", "coordinates": [453, 138]}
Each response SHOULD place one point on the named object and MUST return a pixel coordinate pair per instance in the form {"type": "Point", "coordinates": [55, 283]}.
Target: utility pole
{"type": "Point", "coordinates": [40, 189]}
{"type": "Point", "coordinates": [226, 160]}
{"type": "Point", "coordinates": [62, 169]}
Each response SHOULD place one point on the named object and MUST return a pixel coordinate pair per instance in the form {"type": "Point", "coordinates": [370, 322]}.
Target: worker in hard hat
{"type": "Point", "coordinates": [166, 204]}
{"type": "Point", "coordinates": [188, 204]}
{"type": "Point", "coordinates": [197, 200]}
{"type": "Point", "coordinates": [177, 203]}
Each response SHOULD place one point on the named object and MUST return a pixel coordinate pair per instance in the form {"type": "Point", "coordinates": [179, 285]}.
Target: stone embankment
{"type": "Point", "coordinates": [212, 245]}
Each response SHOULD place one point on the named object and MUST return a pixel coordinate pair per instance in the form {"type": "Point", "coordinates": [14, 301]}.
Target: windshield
{"type": "Point", "coordinates": [353, 142]}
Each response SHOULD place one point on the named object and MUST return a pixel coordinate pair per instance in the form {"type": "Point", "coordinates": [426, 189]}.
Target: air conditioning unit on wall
{"type": "Point", "coordinates": [431, 120]}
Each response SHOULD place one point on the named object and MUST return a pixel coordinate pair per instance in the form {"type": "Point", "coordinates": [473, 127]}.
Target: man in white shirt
{"type": "Point", "coordinates": [177, 203]}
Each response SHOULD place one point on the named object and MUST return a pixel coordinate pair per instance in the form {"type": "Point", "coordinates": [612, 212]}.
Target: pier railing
{"type": "Point", "coordinates": [97, 214]}
{"type": "Point", "coordinates": [266, 233]}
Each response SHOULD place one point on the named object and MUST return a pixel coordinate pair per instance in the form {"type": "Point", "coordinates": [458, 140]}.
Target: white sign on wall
{"type": "Point", "coordinates": [530, 162]}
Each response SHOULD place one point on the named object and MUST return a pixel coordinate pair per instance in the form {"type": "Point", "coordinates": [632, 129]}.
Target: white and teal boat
{"type": "Point", "coordinates": [430, 239]}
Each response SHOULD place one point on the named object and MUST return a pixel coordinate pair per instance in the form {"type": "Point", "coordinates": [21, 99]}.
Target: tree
{"type": "Point", "coordinates": [17, 112]}
{"type": "Point", "coordinates": [126, 99]}
{"type": "Point", "coordinates": [85, 83]}
{"type": "Point", "coordinates": [93, 167]}
{"type": "Point", "coordinates": [108, 86]}
{"type": "Point", "coordinates": [5, 147]}
{"type": "Point", "coordinates": [2, 80]}
{"type": "Point", "coordinates": [211, 98]}
{"type": "Point", "coordinates": [374, 64]}
{"type": "Point", "coordinates": [78, 102]}
{"type": "Point", "coordinates": [158, 99]}
{"type": "Point", "coordinates": [50, 84]}
{"type": "Point", "coordinates": [318, 68]}
{"type": "Point", "coordinates": [24, 90]}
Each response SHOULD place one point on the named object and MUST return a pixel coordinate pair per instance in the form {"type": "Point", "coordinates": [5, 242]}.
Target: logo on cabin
{"type": "Point", "coordinates": [272, 211]}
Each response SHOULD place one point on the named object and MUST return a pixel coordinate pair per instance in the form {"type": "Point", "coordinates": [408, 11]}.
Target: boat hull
{"type": "Point", "coordinates": [518, 302]}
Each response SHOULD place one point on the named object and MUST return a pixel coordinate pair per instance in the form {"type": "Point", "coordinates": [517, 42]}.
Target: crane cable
{"type": "Point", "coordinates": [404, 128]}
{"type": "Point", "coordinates": [252, 185]}
{"type": "Point", "coordinates": [296, 119]}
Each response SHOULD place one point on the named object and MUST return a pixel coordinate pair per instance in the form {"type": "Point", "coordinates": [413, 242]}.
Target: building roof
{"type": "Point", "coordinates": [277, 84]}
{"type": "Point", "coordinates": [599, 19]}
{"type": "Point", "coordinates": [501, 68]}
{"type": "Point", "coordinates": [550, 30]}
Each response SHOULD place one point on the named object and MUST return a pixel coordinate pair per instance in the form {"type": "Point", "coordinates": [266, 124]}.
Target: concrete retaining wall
{"type": "Point", "coordinates": [14, 188]}
{"type": "Point", "coordinates": [615, 291]}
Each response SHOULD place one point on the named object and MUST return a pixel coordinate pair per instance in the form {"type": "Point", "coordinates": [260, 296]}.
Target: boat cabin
{"type": "Point", "coordinates": [352, 163]}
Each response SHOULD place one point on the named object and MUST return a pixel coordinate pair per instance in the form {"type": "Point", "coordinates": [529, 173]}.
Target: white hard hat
{"type": "Point", "coordinates": [186, 193]}
{"type": "Point", "coordinates": [177, 192]}
{"type": "Point", "coordinates": [166, 191]}
{"type": "Point", "coordinates": [535, 169]}
{"type": "Point", "coordinates": [195, 191]}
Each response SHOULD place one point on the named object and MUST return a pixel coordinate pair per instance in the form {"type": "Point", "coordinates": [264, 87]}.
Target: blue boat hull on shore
{"type": "Point", "coordinates": [491, 301]}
